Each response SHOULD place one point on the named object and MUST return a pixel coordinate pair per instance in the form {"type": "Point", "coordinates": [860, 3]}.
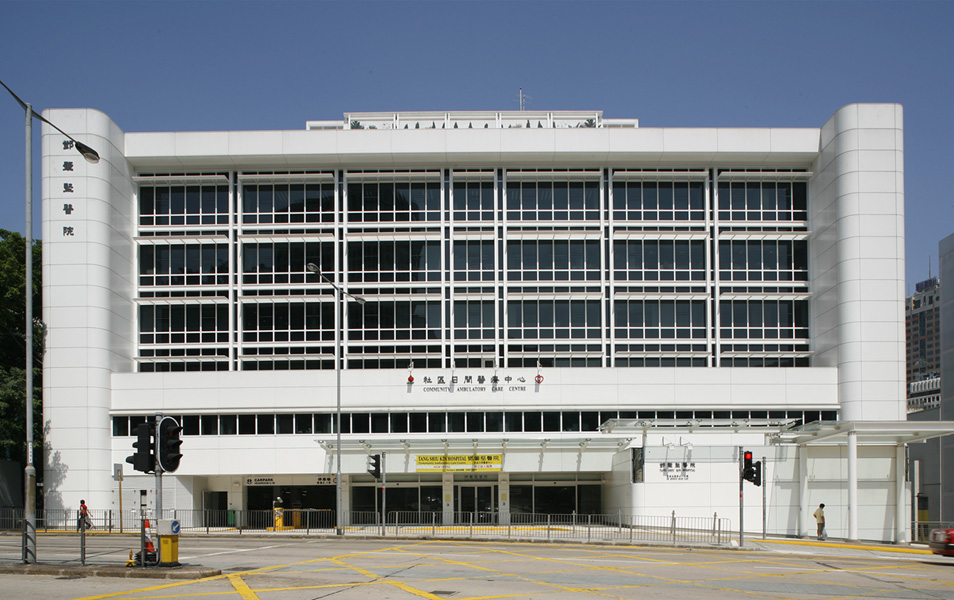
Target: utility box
{"type": "Point", "coordinates": [168, 531]}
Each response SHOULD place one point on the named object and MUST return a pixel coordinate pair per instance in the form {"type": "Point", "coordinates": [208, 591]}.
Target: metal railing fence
{"type": "Point", "coordinates": [616, 527]}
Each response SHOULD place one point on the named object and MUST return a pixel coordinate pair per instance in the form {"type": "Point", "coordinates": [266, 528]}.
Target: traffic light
{"type": "Point", "coordinates": [374, 465]}
{"type": "Point", "coordinates": [751, 471]}
{"type": "Point", "coordinates": [167, 450]}
{"type": "Point", "coordinates": [144, 458]}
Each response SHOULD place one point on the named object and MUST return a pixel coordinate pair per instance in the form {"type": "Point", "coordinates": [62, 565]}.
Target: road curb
{"type": "Point", "coordinates": [111, 571]}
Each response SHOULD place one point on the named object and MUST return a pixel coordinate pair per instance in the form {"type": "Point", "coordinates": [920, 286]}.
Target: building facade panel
{"type": "Point", "coordinates": [546, 295]}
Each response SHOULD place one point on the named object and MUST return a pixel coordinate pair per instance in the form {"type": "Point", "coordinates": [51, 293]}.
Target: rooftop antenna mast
{"type": "Point", "coordinates": [523, 100]}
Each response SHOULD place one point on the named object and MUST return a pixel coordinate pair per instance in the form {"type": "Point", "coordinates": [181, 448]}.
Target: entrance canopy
{"type": "Point", "coordinates": [836, 433]}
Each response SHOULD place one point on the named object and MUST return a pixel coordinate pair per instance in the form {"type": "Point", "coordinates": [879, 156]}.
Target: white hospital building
{"type": "Point", "coordinates": [546, 312]}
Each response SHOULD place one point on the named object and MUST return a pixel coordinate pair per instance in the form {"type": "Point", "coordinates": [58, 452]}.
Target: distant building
{"type": "Point", "coordinates": [924, 394]}
{"type": "Point", "coordinates": [923, 332]}
{"type": "Point", "coordinates": [932, 398]}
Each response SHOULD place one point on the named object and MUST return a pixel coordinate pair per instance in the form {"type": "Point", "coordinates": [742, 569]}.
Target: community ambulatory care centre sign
{"type": "Point", "coordinates": [459, 462]}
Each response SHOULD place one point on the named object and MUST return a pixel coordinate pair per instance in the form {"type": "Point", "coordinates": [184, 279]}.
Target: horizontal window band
{"type": "Point", "coordinates": [660, 175]}
{"type": "Point", "coordinates": [764, 235]}
{"type": "Point", "coordinates": [554, 176]}
{"type": "Point", "coordinates": [171, 240]}
{"type": "Point", "coordinates": [146, 180]}
{"type": "Point", "coordinates": [387, 176]}
{"type": "Point", "coordinates": [473, 175]}
{"type": "Point", "coordinates": [184, 300]}
{"type": "Point", "coordinates": [765, 175]}
{"type": "Point", "coordinates": [699, 296]}
{"type": "Point", "coordinates": [768, 295]}
{"type": "Point", "coordinates": [248, 238]}
{"type": "Point", "coordinates": [286, 178]}
{"type": "Point", "coordinates": [618, 234]}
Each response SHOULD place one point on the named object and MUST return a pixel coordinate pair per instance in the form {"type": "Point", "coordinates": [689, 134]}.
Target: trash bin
{"type": "Point", "coordinates": [230, 518]}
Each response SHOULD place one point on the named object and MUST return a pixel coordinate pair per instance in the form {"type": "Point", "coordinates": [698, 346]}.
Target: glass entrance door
{"type": "Point", "coordinates": [476, 503]}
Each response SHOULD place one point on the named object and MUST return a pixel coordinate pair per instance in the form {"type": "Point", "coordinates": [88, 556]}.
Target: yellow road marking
{"type": "Point", "coordinates": [242, 588]}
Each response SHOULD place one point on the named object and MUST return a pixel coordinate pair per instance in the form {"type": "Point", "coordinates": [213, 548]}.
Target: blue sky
{"type": "Point", "coordinates": [155, 66]}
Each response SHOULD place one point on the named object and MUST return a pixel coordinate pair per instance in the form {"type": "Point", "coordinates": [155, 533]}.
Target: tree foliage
{"type": "Point", "coordinates": [13, 348]}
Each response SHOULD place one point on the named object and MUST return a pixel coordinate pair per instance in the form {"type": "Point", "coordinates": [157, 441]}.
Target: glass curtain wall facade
{"type": "Point", "coordinates": [510, 267]}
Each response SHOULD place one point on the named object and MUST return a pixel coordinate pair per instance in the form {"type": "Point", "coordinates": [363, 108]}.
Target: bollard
{"type": "Point", "coordinates": [548, 526]}
{"type": "Point", "coordinates": [673, 527]}
{"type": "Point", "coordinates": [589, 527]}
{"type": "Point", "coordinates": [632, 526]}
{"type": "Point", "coordinates": [82, 541]}
{"type": "Point", "coordinates": [29, 542]}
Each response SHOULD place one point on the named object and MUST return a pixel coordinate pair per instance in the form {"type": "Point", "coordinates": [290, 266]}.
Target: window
{"type": "Point", "coordinates": [184, 205]}
{"type": "Point", "coordinates": [394, 201]}
{"type": "Point", "coordinates": [553, 200]}
{"type": "Point", "coordinates": [188, 264]}
{"type": "Point", "coordinates": [288, 203]}
{"type": "Point", "coordinates": [271, 263]}
{"type": "Point", "coordinates": [658, 201]}
{"type": "Point", "coordinates": [474, 260]}
{"type": "Point", "coordinates": [660, 319]}
{"type": "Point", "coordinates": [554, 319]}
{"type": "Point", "coordinates": [473, 200]}
{"type": "Point", "coordinates": [183, 323]}
{"type": "Point", "coordinates": [659, 260]}
{"type": "Point", "coordinates": [766, 201]}
{"type": "Point", "coordinates": [389, 261]}
{"type": "Point", "coordinates": [553, 260]}
{"type": "Point", "coordinates": [763, 260]}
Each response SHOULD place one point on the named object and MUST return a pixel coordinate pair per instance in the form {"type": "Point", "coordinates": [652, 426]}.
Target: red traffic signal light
{"type": "Point", "coordinates": [751, 471]}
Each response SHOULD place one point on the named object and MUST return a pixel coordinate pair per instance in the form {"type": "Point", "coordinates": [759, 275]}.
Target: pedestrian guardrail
{"type": "Point", "coordinates": [616, 527]}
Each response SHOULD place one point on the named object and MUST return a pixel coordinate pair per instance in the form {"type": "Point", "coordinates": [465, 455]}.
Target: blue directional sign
{"type": "Point", "coordinates": [175, 527]}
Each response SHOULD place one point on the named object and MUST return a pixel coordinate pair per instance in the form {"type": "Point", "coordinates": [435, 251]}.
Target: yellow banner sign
{"type": "Point", "coordinates": [459, 462]}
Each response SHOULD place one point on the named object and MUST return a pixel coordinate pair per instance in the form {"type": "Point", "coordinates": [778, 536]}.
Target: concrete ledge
{"type": "Point", "coordinates": [110, 571]}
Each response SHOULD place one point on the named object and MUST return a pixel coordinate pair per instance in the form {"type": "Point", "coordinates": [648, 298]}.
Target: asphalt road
{"type": "Point", "coordinates": [289, 568]}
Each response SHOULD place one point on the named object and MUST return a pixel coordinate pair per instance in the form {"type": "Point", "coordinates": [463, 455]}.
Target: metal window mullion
{"type": "Point", "coordinates": [501, 184]}
{"type": "Point", "coordinates": [606, 259]}
{"type": "Point", "coordinates": [447, 303]}
{"type": "Point", "coordinates": [236, 258]}
{"type": "Point", "coordinates": [713, 338]}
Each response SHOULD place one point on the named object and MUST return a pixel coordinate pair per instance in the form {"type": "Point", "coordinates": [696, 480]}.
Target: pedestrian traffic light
{"type": "Point", "coordinates": [167, 450]}
{"type": "Point", "coordinates": [374, 465]}
{"type": "Point", "coordinates": [751, 471]}
{"type": "Point", "coordinates": [144, 458]}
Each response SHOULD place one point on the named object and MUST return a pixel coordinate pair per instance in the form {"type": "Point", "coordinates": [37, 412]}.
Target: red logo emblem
{"type": "Point", "coordinates": [538, 378]}
{"type": "Point", "coordinates": [410, 379]}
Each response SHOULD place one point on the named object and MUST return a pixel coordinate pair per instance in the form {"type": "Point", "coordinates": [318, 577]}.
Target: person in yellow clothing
{"type": "Point", "coordinates": [819, 515]}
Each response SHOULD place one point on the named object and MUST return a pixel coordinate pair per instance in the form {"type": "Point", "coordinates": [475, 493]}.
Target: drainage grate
{"type": "Point", "coordinates": [443, 593]}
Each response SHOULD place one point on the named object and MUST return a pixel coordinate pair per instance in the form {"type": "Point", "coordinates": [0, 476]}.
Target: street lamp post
{"type": "Point", "coordinates": [339, 328]}
{"type": "Point", "coordinates": [29, 492]}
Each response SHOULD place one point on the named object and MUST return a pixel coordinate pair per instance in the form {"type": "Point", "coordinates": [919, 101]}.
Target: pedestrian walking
{"type": "Point", "coordinates": [82, 517]}
{"type": "Point", "coordinates": [819, 515]}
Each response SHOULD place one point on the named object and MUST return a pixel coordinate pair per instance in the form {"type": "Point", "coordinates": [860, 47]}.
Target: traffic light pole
{"type": "Point", "coordinates": [158, 470]}
{"type": "Point", "coordinates": [741, 504]}
{"type": "Point", "coordinates": [384, 494]}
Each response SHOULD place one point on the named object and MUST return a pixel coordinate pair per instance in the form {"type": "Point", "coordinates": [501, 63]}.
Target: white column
{"type": "Point", "coordinates": [803, 506]}
{"type": "Point", "coordinates": [852, 485]}
{"type": "Point", "coordinates": [901, 520]}
{"type": "Point", "coordinates": [503, 498]}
